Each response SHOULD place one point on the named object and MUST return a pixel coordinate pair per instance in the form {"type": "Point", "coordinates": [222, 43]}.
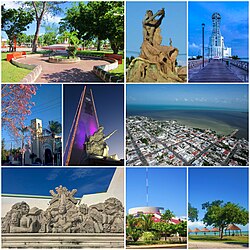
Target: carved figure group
{"type": "Point", "coordinates": [156, 62]}
{"type": "Point", "coordinates": [64, 216]}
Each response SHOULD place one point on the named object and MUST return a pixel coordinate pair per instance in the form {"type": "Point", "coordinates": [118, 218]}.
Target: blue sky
{"type": "Point", "coordinates": [173, 25]}
{"type": "Point", "coordinates": [109, 107]}
{"type": "Point", "coordinates": [38, 181]}
{"type": "Point", "coordinates": [234, 25]}
{"type": "Point", "coordinates": [230, 96]}
{"type": "Point", "coordinates": [167, 188]}
{"type": "Point", "coordinates": [48, 20]}
{"type": "Point", "coordinates": [48, 107]}
{"type": "Point", "coordinates": [209, 184]}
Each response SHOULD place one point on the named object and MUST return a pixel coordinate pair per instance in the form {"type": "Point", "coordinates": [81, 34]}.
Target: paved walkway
{"type": "Point", "coordinates": [211, 245]}
{"type": "Point", "coordinates": [215, 71]}
{"type": "Point", "coordinates": [76, 72]}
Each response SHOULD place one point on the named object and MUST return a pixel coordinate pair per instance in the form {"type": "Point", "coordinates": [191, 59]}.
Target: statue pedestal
{"type": "Point", "coordinates": [142, 70]}
{"type": "Point", "coordinates": [101, 161]}
{"type": "Point", "coordinates": [63, 240]}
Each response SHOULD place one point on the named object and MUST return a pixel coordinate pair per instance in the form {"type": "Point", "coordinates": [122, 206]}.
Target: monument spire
{"type": "Point", "coordinates": [85, 124]}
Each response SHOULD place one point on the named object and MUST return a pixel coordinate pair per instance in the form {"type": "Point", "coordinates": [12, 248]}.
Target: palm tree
{"type": "Point", "coordinates": [167, 216]}
{"type": "Point", "coordinates": [54, 128]}
{"type": "Point", "coordinates": [146, 222]}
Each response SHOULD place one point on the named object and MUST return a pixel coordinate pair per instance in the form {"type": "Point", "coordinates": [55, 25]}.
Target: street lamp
{"type": "Point", "coordinates": [203, 26]}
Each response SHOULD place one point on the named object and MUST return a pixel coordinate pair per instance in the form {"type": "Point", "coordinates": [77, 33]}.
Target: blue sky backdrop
{"type": "Point", "coordinates": [210, 184]}
{"type": "Point", "coordinates": [48, 107]}
{"type": "Point", "coordinates": [109, 107]}
{"type": "Point", "coordinates": [173, 26]}
{"type": "Point", "coordinates": [38, 181]}
{"type": "Point", "coordinates": [229, 96]}
{"type": "Point", "coordinates": [234, 25]}
{"type": "Point", "coordinates": [167, 188]}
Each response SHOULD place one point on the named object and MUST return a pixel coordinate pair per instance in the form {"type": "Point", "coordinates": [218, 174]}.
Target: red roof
{"type": "Point", "coordinates": [175, 221]}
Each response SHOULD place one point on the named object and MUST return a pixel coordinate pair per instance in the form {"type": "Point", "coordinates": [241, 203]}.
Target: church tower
{"type": "Point", "coordinates": [37, 130]}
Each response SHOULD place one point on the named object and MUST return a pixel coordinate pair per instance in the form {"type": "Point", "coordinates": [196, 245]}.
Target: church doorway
{"type": "Point", "coordinates": [48, 157]}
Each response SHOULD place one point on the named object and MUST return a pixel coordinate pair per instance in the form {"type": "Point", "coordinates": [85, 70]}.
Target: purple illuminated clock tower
{"type": "Point", "coordinates": [85, 123]}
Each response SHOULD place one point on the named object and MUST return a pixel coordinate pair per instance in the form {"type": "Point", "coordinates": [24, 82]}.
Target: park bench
{"type": "Point", "coordinates": [115, 56]}
{"type": "Point", "coordinates": [15, 55]}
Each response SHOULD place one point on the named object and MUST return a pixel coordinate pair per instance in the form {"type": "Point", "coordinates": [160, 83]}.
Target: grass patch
{"type": "Point", "coordinates": [226, 239]}
{"type": "Point", "coordinates": [119, 71]}
{"type": "Point", "coordinates": [10, 72]}
{"type": "Point", "coordinates": [96, 53]}
{"type": "Point", "coordinates": [153, 242]}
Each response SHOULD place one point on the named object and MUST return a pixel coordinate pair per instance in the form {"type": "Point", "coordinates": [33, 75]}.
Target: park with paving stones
{"type": "Point", "coordinates": [78, 72]}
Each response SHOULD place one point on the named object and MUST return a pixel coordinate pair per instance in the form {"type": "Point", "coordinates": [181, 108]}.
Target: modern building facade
{"type": "Point", "coordinates": [217, 48]}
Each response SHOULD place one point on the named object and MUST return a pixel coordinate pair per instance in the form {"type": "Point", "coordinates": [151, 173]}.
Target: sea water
{"type": "Point", "coordinates": [221, 120]}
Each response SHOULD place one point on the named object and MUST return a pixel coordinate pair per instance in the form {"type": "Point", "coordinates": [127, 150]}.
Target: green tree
{"type": "Point", "coordinates": [167, 216]}
{"type": "Point", "coordinates": [51, 32]}
{"type": "Point", "coordinates": [182, 228]}
{"type": "Point", "coordinates": [192, 213]}
{"type": "Point", "coordinates": [146, 222]}
{"type": "Point", "coordinates": [14, 22]}
{"type": "Point", "coordinates": [23, 130]}
{"type": "Point", "coordinates": [219, 214]}
{"type": "Point", "coordinates": [133, 228]}
{"type": "Point", "coordinates": [54, 128]}
{"type": "Point", "coordinates": [97, 19]}
{"type": "Point", "coordinates": [163, 228]}
{"type": "Point", "coordinates": [4, 152]}
{"type": "Point", "coordinates": [40, 9]}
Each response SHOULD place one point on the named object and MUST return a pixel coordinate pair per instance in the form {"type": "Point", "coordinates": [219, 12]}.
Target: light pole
{"type": "Point", "coordinates": [203, 26]}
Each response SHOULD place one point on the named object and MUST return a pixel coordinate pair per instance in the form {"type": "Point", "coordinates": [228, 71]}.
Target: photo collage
{"type": "Point", "coordinates": [125, 124]}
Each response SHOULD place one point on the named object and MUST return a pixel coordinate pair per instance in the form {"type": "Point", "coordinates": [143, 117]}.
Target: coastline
{"type": "Point", "coordinates": [223, 122]}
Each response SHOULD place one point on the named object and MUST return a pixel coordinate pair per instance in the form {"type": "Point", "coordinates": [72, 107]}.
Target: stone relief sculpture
{"type": "Point", "coordinates": [156, 62]}
{"type": "Point", "coordinates": [65, 216]}
{"type": "Point", "coordinates": [96, 144]}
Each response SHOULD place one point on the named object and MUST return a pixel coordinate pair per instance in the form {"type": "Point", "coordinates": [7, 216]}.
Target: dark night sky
{"type": "Point", "coordinates": [109, 103]}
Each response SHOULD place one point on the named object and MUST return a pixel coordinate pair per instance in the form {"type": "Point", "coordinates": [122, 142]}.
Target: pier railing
{"type": "Point", "coordinates": [196, 63]}
{"type": "Point", "coordinates": [237, 63]}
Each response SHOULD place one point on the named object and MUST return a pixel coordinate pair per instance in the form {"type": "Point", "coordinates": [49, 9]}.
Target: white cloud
{"type": "Point", "coordinates": [53, 19]}
{"type": "Point", "coordinates": [53, 174]}
{"type": "Point", "coordinates": [81, 173]}
{"type": "Point", "coordinates": [195, 224]}
{"type": "Point", "coordinates": [11, 4]}
{"type": "Point", "coordinates": [193, 46]}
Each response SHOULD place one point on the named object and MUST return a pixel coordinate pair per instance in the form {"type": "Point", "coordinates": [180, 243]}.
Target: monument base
{"type": "Point", "coordinates": [102, 161]}
{"type": "Point", "coordinates": [63, 240]}
{"type": "Point", "coordinates": [142, 70]}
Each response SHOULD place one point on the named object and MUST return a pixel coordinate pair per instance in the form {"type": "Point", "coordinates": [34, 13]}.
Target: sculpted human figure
{"type": "Point", "coordinates": [156, 62]}
{"type": "Point", "coordinates": [150, 24]}
{"type": "Point", "coordinates": [114, 216]}
{"type": "Point", "coordinates": [97, 145]}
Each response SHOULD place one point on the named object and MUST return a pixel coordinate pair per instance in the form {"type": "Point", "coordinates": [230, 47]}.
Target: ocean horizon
{"type": "Point", "coordinates": [222, 120]}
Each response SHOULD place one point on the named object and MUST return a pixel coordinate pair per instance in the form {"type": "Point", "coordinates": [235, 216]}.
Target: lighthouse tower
{"type": "Point", "coordinates": [217, 48]}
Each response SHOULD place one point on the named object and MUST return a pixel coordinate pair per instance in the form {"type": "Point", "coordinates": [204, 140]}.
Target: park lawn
{"type": "Point", "coordinates": [12, 73]}
{"type": "Point", "coordinates": [119, 71]}
{"type": "Point", "coordinates": [96, 52]}
{"type": "Point", "coordinates": [153, 242]}
{"type": "Point", "coordinates": [226, 239]}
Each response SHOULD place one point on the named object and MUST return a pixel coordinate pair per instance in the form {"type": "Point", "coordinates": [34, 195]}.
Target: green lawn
{"type": "Point", "coordinates": [96, 53]}
{"type": "Point", "coordinates": [119, 71]}
{"type": "Point", "coordinates": [226, 239]}
{"type": "Point", "coordinates": [11, 73]}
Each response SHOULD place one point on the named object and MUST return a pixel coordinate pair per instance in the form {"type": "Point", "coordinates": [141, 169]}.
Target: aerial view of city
{"type": "Point", "coordinates": [187, 125]}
